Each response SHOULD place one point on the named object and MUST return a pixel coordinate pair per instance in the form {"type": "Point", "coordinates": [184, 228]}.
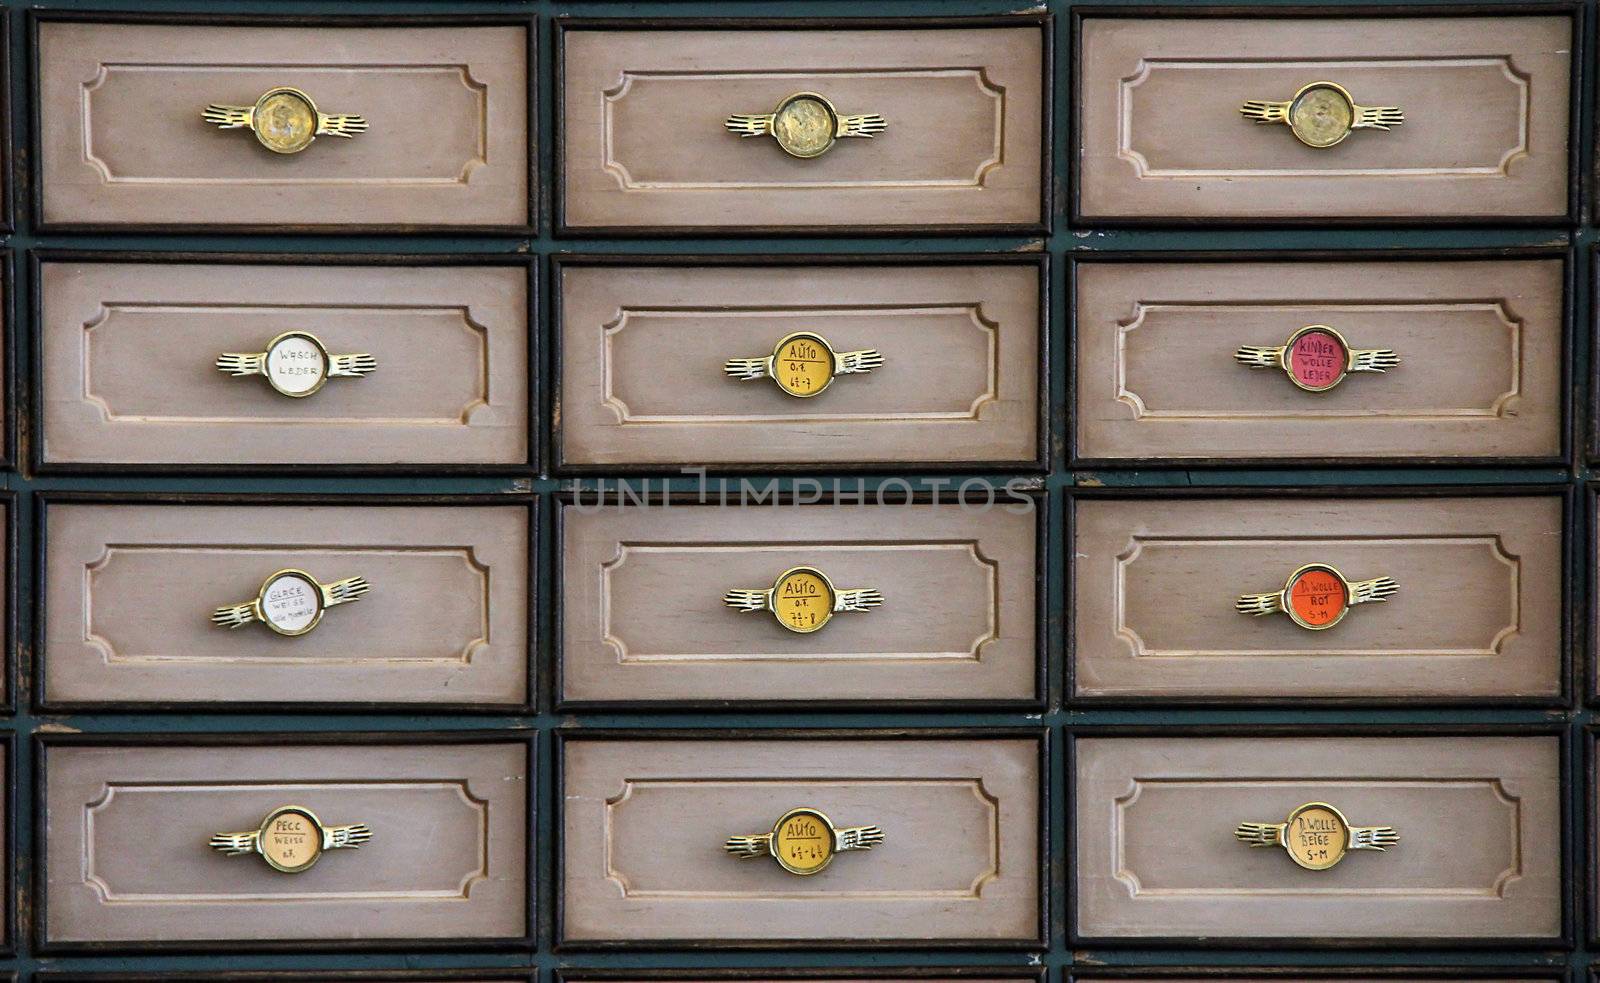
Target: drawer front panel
{"type": "Point", "coordinates": [131, 587]}
{"type": "Point", "coordinates": [1478, 613]}
{"type": "Point", "coordinates": [1479, 858]}
{"type": "Point", "coordinates": [643, 616]}
{"type": "Point", "coordinates": [959, 859]}
{"type": "Point", "coordinates": [644, 145]}
{"type": "Point", "coordinates": [1480, 344]}
{"type": "Point", "coordinates": [642, 350]}
{"type": "Point", "coordinates": [128, 348]}
{"type": "Point", "coordinates": [127, 830]}
{"type": "Point", "coordinates": [124, 144]}
{"type": "Point", "coordinates": [1484, 100]}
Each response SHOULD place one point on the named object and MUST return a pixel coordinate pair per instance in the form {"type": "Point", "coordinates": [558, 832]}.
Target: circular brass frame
{"type": "Point", "coordinates": [1288, 350]}
{"type": "Point", "coordinates": [261, 838]}
{"type": "Point", "coordinates": [327, 363]}
{"type": "Point", "coordinates": [833, 840]}
{"type": "Point", "coordinates": [832, 363]}
{"type": "Point", "coordinates": [290, 90]}
{"type": "Point", "coordinates": [1305, 90]}
{"type": "Point", "coordinates": [1344, 826]}
{"type": "Point", "coordinates": [1288, 604]}
{"type": "Point", "coordinates": [261, 601]}
{"type": "Point", "coordinates": [827, 611]}
{"type": "Point", "coordinates": [833, 124]}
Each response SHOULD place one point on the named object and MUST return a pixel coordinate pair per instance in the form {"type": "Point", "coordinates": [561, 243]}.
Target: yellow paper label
{"type": "Point", "coordinates": [803, 842]}
{"type": "Point", "coordinates": [803, 600]}
{"type": "Point", "coordinates": [803, 365]}
{"type": "Point", "coordinates": [291, 841]}
{"type": "Point", "coordinates": [1316, 837]}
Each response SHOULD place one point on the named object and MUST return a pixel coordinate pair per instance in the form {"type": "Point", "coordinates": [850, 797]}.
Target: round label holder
{"type": "Point", "coordinates": [805, 125]}
{"type": "Point", "coordinates": [1322, 114]}
{"type": "Point", "coordinates": [291, 839]}
{"type": "Point", "coordinates": [803, 364]}
{"type": "Point", "coordinates": [1316, 836]}
{"type": "Point", "coordinates": [285, 120]}
{"type": "Point", "coordinates": [291, 602]}
{"type": "Point", "coordinates": [804, 841]}
{"type": "Point", "coordinates": [297, 364]}
{"type": "Point", "coordinates": [803, 599]}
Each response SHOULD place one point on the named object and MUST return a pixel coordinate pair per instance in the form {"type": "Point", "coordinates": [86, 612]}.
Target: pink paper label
{"type": "Point", "coordinates": [1317, 360]}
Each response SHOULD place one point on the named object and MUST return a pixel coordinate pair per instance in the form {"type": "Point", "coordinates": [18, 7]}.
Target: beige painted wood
{"type": "Point", "coordinates": [643, 824]}
{"type": "Point", "coordinates": [128, 374]}
{"type": "Point", "coordinates": [127, 860]}
{"type": "Point", "coordinates": [130, 588]}
{"type": "Point", "coordinates": [644, 144]}
{"type": "Point", "coordinates": [122, 141]}
{"type": "Point", "coordinates": [1485, 104]}
{"type": "Point", "coordinates": [1479, 857]}
{"type": "Point", "coordinates": [642, 351]}
{"type": "Point", "coordinates": [642, 614]}
{"type": "Point", "coordinates": [1480, 344]}
{"type": "Point", "coordinates": [1477, 615]}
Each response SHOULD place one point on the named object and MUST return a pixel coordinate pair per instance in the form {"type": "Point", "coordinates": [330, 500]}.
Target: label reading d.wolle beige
{"type": "Point", "coordinates": [1316, 837]}
{"type": "Point", "coordinates": [803, 600]}
{"type": "Point", "coordinates": [803, 842]}
{"type": "Point", "coordinates": [291, 841]}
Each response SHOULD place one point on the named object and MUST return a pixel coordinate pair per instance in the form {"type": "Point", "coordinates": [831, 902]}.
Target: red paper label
{"type": "Point", "coordinates": [1317, 597]}
{"type": "Point", "coordinates": [1316, 360]}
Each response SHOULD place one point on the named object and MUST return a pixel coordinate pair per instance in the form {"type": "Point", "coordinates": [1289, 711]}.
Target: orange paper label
{"type": "Point", "coordinates": [1317, 597]}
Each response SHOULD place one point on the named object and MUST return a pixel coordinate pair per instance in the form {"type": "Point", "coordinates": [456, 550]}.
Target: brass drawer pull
{"type": "Point", "coordinates": [804, 841]}
{"type": "Point", "coordinates": [1322, 114]}
{"type": "Point", "coordinates": [1316, 358]}
{"type": "Point", "coordinates": [290, 602]}
{"type": "Point", "coordinates": [285, 120]}
{"type": "Point", "coordinates": [1317, 836]}
{"type": "Point", "coordinates": [803, 599]}
{"type": "Point", "coordinates": [291, 839]}
{"type": "Point", "coordinates": [806, 125]}
{"type": "Point", "coordinates": [1317, 596]}
{"type": "Point", "coordinates": [296, 364]}
{"type": "Point", "coordinates": [804, 364]}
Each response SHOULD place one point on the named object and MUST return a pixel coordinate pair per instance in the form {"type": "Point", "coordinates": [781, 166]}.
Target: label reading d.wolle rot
{"type": "Point", "coordinates": [291, 603]}
{"type": "Point", "coordinates": [803, 842]}
{"type": "Point", "coordinates": [1317, 359]}
{"type": "Point", "coordinates": [290, 840]}
{"type": "Point", "coordinates": [296, 364]}
{"type": "Point", "coordinates": [1317, 597]}
{"type": "Point", "coordinates": [1316, 836]}
{"type": "Point", "coordinates": [803, 600]}
{"type": "Point", "coordinates": [803, 365]}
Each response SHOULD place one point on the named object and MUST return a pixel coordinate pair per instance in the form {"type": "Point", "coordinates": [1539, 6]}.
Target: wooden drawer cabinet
{"type": "Point", "coordinates": [644, 616]}
{"type": "Point", "coordinates": [1477, 616]}
{"type": "Point", "coordinates": [644, 819]}
{"type": "Point", "coordinates": [643, 347]}
{"type": "Point", "coordinates": [127, 353]}
{"type": "Point", "coordinates": [644, 145]}
{"type": "Point", "coordinates": [1478, 861]}
{"type": "Point", "coordinates": [130, 588]}
{"type": "Point", "coordinates": [126, 826]}
{"type": "Point", "coordinates": [122, 142]}
{"type": "Point", "coordinates": [1485, 100]}
{"type": "Point", "coordinates": [1161, 376]}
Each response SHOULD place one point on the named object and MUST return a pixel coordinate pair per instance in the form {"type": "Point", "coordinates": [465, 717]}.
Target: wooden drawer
{"type": "Point", "coordinates": [128, 348]}
{"type": "Point", "coordinates": [1478, 614]}
{"type": "Point", "coordinates": [1485, 105]}
{"type": "Point", "coordinates": [130, 590]}
{"type": "Point", "coordinates": [122, 141]}
{"type": "Point", "coordinates": [644, 145]}
{"type": "Point", "coordinates": [1480, 344]}
{"type": "Point", "coordinates": [643, 381]}
{"type": "Point", "coordinates": [644, 619]}
{"type": "Point", "coordinates": [1479, 857]}
{"type": "Point", "coordinates": [959, 862]}
{"type": "Point", "coordinates": [127, 825]}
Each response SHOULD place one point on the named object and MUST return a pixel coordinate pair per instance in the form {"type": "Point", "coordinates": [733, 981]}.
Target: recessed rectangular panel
{"type": "Point", "coordinates": [123, 142]}
{"type": "Point", "coordinates": [1479, 347]}
{"type": "Point", "coordinates": [129, 376]}
{"type": "Point", "coordinates": [645, 145]}
{"type": "Point", "coordinates": [1477, 613]}
{"type": "Point", "coordinates": [644, 822]}
{"type": "Point", "coordinates": [130, 591]}
{"type": "Point", "coordinates": [644, 615]}
{"type": "Point", "coordinates": [643, 351]}
{"type": "Point", "coordinates": [1484, 101]}
{"type": "Point", "coordinates": [127, 830]}
{"type": "Point", "coordinates": [1478, 818]}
